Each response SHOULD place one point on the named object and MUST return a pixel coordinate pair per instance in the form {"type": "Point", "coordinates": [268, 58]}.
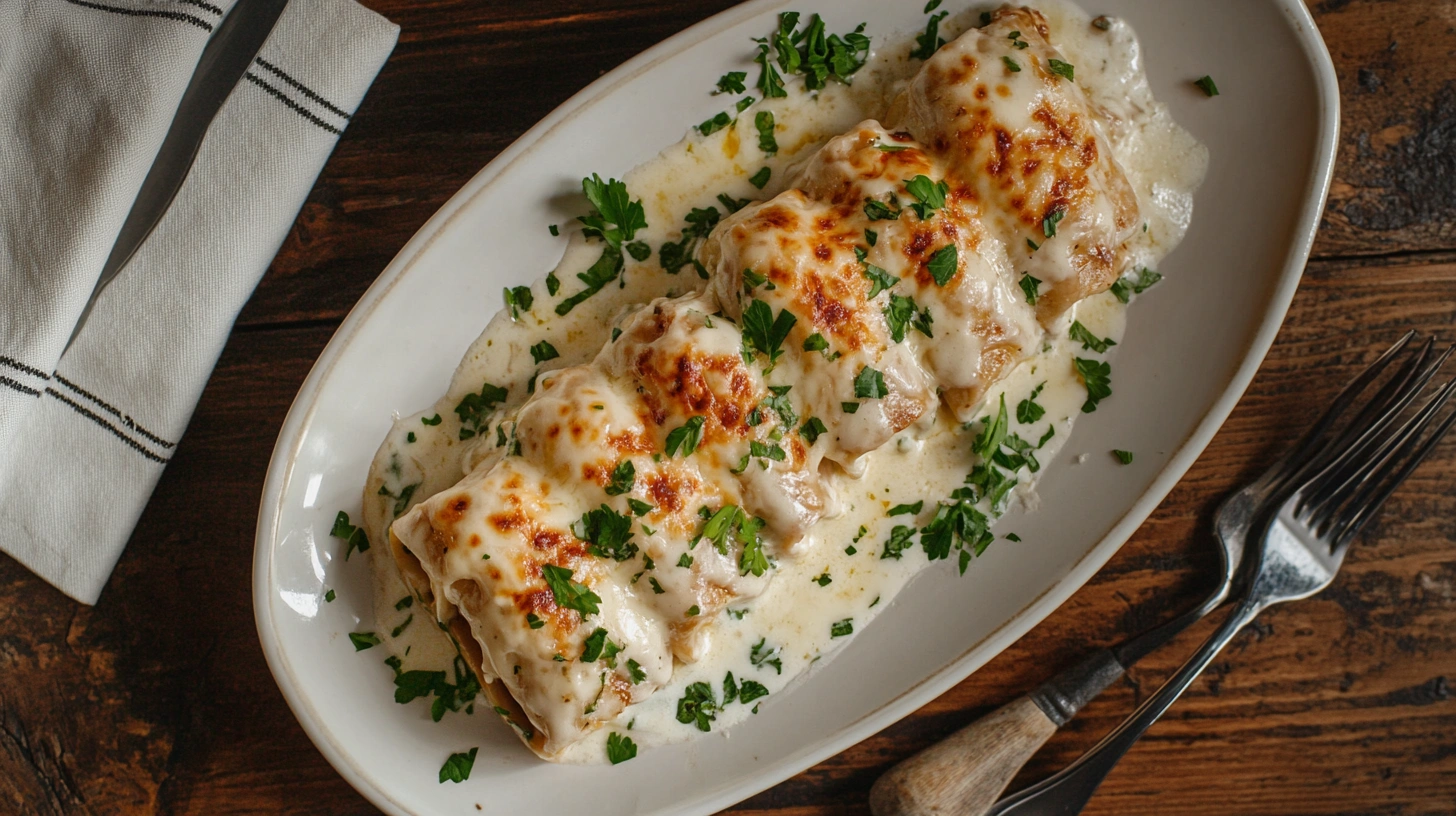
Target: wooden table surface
{"type": "Point", "coordinates": [158, 700]}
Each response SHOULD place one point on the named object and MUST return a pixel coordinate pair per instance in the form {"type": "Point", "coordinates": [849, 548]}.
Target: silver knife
{"type": "Point", "coordinates": [224, 60]}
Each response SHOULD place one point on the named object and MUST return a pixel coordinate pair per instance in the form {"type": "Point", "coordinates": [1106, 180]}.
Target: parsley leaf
{"type": "Point", "coordinates": [635, 672]}
{"type": "Point", "coordinates": [430, 421]}
{"type": "Point", "coordinates": [815, 342]}
{"type": "Point", "coordinates": [698, 706]}
{"type": "Point", "coordinates": [760, 179]}
{"type": "Point", "coordinates": [1079, 333]}
{"type": "Point", "coordinates": [903, 312]}
{"type": "Point", "coordinates": [877, 210]}
{"type": "Point", "coordinates": [765, 333]}
{"type": "Point", "coordinates": [842, 628]}
{"type": "Point", "coordinates": [639, 508]}
{"type": "Point", "coordinates": [1123, 456]}
{"type": "Point", "coordinates": [761, 655]}
{"type": "Point", "coordinates": [615, 218]}
{"type": "Point", "coordinates": [518, 299]}
{"type": "Point", "coordinates": [1028, 410]}
{"type": "Point", "coordinates": [715, 124]}
{"type": "Point", "coordinates": [457, 767]}
{"type": "Point", "coordinates": [675, 255]}
{"type": "Point", "coordinates": [1049, 224]}
{"type": "Point", "coordinates": [992, 434]}
{"type": "Point", "coordinates": [898, 542]}
{"type": "Point", "coordinates": [944, 264]}
{"type": "Point", "coordinates": [354, 537]}
{"type": "Point", "coordinates": [1097, 376]}
{"type": "Point", "coordinates": [591, 649]}
{"type": "Point", "coordinates": [475, 409]}
{"type": "Point", "coordinates": [880, 280]}
{"type": "Point", "coordinates": [906, 509]}
{"type": "Point", "coordinates": [623, 477]}
{"type": "Point", "coordinates": [812, 429]}
{"type": "Point", "coordinates": [620, 748]}
{"type": "Point", "coordinates": [1205, 84]}
{"type": "Point", "coordinates": [732, 82]}
{"type": "Point", "coordinates": [364, 640]}
{"type": "Point", "coordinates": [779, 403]}
{"type": "Point", "coordinates": [1124, 288]}
{"type": "Point", "coordinates": [750, 690]}
{"type": "Point", "coordinates": [543, 351]}
{"type": "Point", "coordinates": [1061, 69]}
{"type": "Point", "coordinates": [930, 41]}
{"type": "Point", "coordinates": [685, 437]}
{"type": "Point", "coordinates": [929, 194]}
{"type": "Point", "coordinates": [764, 122]}
{"type": "Point", "coordinates": [604, 271]}
{"type": "Point", "coordinates": [1012, 65]}
{"type": "Point", "coordinates": [770, 84]}
{"type": "Point", "coordinates": [568, 593]}
{"type": "Point", "coordinates": [870, 384]}
{"type": "Point", "coordinates": [1030, 285]}
{"type": "Point", "coordinates": [608, 533]}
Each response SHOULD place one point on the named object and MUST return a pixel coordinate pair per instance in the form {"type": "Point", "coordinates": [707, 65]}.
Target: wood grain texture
{"type": "Point", "coordinates": [158, 701]}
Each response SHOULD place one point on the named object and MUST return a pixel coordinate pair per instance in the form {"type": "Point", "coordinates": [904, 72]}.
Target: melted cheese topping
{"type": "Point", "coordinates": [1013, 148]}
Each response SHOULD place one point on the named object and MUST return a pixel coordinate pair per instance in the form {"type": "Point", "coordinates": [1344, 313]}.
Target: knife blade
{"type": "Point", "coordinates": [224, 60]}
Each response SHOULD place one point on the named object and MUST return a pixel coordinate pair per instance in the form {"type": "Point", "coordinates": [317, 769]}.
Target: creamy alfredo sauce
{"type": "Point", "coordinates": [842, 581]}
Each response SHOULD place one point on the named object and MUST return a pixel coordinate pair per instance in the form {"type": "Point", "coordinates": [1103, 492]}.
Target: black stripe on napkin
{"type": "Point", "coordinates": [303, 89]}
{"type": "Point", "coordinates": [108, 408]}
{"type": "Point", "coordinates": [99, 420]}
{"type": "Point", "coordinates": [24, 389]}
{"type": "Point", "coordinates": [297, 108]}
{"type": "Point", "coordinates": [11, 362]}
{"type": "Point", "coordinates": [204, 6]}
{"type": "Point", "coordinates": [168, 15]}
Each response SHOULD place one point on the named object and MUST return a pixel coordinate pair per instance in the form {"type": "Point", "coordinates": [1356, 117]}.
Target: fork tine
{"type": "Point", "coordinates": [1290, 472]}
{"type": "Point", "coordinates": [1370, 499]}
{"type": "Point", "coordinates": [1341, 460]}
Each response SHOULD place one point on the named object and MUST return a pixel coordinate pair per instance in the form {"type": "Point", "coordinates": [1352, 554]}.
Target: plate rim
{"type": "Point", "coordinates": [302, 410]}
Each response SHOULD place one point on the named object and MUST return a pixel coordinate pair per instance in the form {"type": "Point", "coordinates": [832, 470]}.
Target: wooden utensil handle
{"type": "Point", "coordinates": [964, 774]}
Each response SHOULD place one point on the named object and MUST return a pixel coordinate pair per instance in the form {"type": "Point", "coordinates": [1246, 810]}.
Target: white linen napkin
{"type": "Point", "coordinates": [87, 91]}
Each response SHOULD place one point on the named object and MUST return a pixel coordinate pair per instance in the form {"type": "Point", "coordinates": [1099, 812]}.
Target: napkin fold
{"type": "Point", "coordinates": [87, 92]}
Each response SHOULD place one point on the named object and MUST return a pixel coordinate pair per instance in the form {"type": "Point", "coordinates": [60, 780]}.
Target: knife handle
{"type": "Point", "coordinates": [965, 773]}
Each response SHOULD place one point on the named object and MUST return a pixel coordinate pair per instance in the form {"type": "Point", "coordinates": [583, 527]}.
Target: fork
{"type": "Point", "coordinates": [1322, 506]}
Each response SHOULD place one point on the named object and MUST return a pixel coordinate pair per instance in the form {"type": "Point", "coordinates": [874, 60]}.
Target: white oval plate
{"type": "Point", "coordinates": [1192, 346]}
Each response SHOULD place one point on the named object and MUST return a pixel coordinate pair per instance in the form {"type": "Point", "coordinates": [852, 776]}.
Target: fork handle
{"type": "Point", "coordinates": [964, 773]}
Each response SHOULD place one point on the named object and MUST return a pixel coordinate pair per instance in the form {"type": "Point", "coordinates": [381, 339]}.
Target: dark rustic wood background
{"type": "Point", "coordinates": [158, 701]}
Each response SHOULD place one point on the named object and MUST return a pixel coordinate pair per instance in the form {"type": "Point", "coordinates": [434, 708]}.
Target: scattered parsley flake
{"type": "Point", "coordinates": [1097, 376]}
{"type": "Point", "coordinates": [364, 640]}
{"type": "Point", "coordinates": [761, 655]}
{"type": "Point", "coordinates": [518, 299]}
{"type": "Point", "coordinates": [608, 533]}
{"type": "Point", "coordinates": [569, 594]}
{"type": "Point", "coordinates": [870, 384]}
{"type": "Point", "coordinates": [543, 351]}
{"type": "Point", "coordinates": [1061, 69]}
{"type": "Point", "coordinates": [898, 542]}
{"type": "Point", "coordinates": [1080, 334]}
{"type": "Point", "coordinates": [686, 437]}
{"type": "Point", "coordinates": [732, 82]}
{"type": "Point", "coordinates": [354, 537]}
{"type": "Point", "coordinates": [1049, 224]}
{"type": "Point", "coordinates": [698, 706]}
{"type": "Point", "coordinates": [930, 41]}
{"type": "Point", "coordinates": [1123, 456]}
{"type": "Point", "coordinates": [329, 596]}
{"type": "Point", "coordinates": [620, 748]}
{"type": "Point", "coordinates": [715, 124]}
{"type": "Point", "coordinates": [906, 509]}
{"type": "Point", "coordinates": [760, 179]}
{"type": "Point", "coordinates": [533, 621]}
{"type": "Point", "coordinates": [812, 429]}
{"type": "Point", "coordinates": [1205, 84]}
{"type": "Point", "coordinates": [623, 478]}
{"type": "Point", "coordinates": [763, 122]}
{"type": "Point", "coordinates": [1011, 65]}
{"type": "Point", "coordinates": [944, 264]}
{"type": "Point", "coordinates": [930, 196]}
{"type": "Point", "coordinates": [1030, 286]}
{"type": "Point", "coordinates": [1029, 410]}
{"type": "Point", "coordinates": [842, 628]}
{"type": "Point", "coordinates": [877, 210]}
{"type": "Point", "coordinates": [765, 333]}
{"type": "Point", "coordinates": [457, 767]}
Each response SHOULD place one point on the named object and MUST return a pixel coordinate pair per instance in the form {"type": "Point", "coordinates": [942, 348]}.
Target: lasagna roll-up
{"type": "Point", "coordinates": [631, 501]}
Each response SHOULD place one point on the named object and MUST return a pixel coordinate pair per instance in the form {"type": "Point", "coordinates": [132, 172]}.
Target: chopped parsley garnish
{"type": "Point", "coordinates": [620, 748]}
{"type": "Point", "coordinates": [760, 450]}
{"type": "Point", "coordinates": [763, 121]}
{"type": "Point", "coordinates": [750, 690]}
{"type": "Point", "coordinates": [555, 231]}
{"type": "Point", "coordinates": [656, 587]}
{"type": "Point", "coordinates": [1061, 69]}
{"type": "Point", "coordinates": [944, 264]}
{"type": "Point", "coordinates": [1012, 65]}
{"type": "Point", "coordinates": [412, 685]}
{"type": "Point", "coordinates": [993, 433]}
{"type": "Point", "coordinates": [353, 537]}
{"type": "Point", "coordinates": [410, 437]}
{"type": "Point", "coordinates": [518, 299]}
{"type": "Point", "coordinates": [698, 706]}
{"type": "Point", "coordinates": [812, 429]}
{"type": "Point", "coordinates": [761, 655]}
{"type": "Point", "coordinates": [730, 689]}
{"type": "Point", "coordinates": [1028, 410]}
{"type": "Point", "coordinates": [399, 630]}
{"type": "Point", "coordinates": [1030, 286]}
{"type": "Point", "coordinates": [1123, 456]}
{"type": "Point", "coordinates": [608, 533]}
{"type": "Point", "coordinates": [930, 41]}
{"type": "Point", "coordinates": [635, 672]}
{"type": "Point", "coordinates": [1090, 341]}
{"type": "Point", "coordinates": [431, 421]}
{"type": "Point", "coordinates": [404, 603]}
{"type": "Point", "coordinates": [906, 509]}
{"type": "Point", "coordinates": [770, 84]}
{"type": "Point", "coordinates": [1034, 245]}
{"type": "Point", "coordinates": [870, 384]}
{"type": "Point", "coordinates": [675, 255]}
{"type": "Point", "coordinates": [1013, 537]}
{"type": "Point", "coordinates": [1016, 41]}
{"type": "Point", "coordinates": [729, 203]}
{"type": "Point", "coordinates": [693, 611]}
{"type": "Point", "coordinates": [779, 403]}
{"type": "Point", "coordinates": [623, 477]}
{"type": "Point", "coordinates": [1051, 431]}
{"type": "Point", "coordinates": [685, 561]}
{"type": "Point", "coordinates": [543, 351]}
{"type": "Point", "coordinates": [957, 525]}
{"type": "Point", "coordinates": [457, 767]}
{"type": "Point", "coordinates": [639, 508]}
{"type": "Point", "coordinates": [744, 104]}
{"type": "Point", "coordinates": [1205, 84]}
{"type": "Point", "coordinates": [760, 179]}
{"type": "Point", "coordinates": [604, 271]}
{"type": "Point", "coordinates": [1097, 376]}
{"type": "Point", "coordinates": [568, 593]}
{"type": "Point", "coordinates": [890, 148]}
{"type": "Point", "coordinates": [686, 437]}
{"type": "Point", "coordinates": [871, 237]}
{"type": "Point", "coordinates": [364, 640]}
{"type": "Point", "coordinates": [533, 621]}
{"type": "Point", "coordinates": [639, 250]}
{"type": "Point", "coordinates": [1049, 224]}
{"type": "Point", "coordinates": [591, 649]}
{"type": "Point", "coordinates": [877, 210]}
{"type": "Point", "coordinates": [475, 409]}
{"type": "Point", "coordinates": [931, 6]}
{"type": "Point", "coordinates": [765, 333]}
{"type": "Point", "coordinates": [930, 196]}
{"type": "Point", "coordinates": [815, 342]}
{"type": "Point", "coordinates": [553, 284]}
{"type": "Point", "coordinates": [1125, 288]}
{"type": "Point", "coordinates": [880, 280]}
{"type": "Point", "coordinates": [732, 82]}
{"type": "Point", "coordinates": [715, 124]}
{"type": "Point", "coordinates": [849, 407]}
{"type": "Point", "coordinates": [898, 543]}
{"type": "Point", "coordinates": [329, 596]}
{"type": "Point", "coordinates": [615, 218]}
{"type": "Point", "coordinates": [903, 312]}
{"type": "Point", "coordinates": [842, 628]}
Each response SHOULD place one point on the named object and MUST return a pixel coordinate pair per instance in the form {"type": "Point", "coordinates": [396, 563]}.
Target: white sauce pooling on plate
{"type": "Point", "coordinates": [794, 618]}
